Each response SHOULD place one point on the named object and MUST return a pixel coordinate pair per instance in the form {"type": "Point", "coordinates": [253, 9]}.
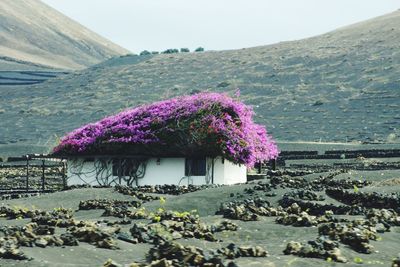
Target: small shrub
{"type": "Point", "coordinates": [199, 49]}
{"type": "Point", "coordinates": [185, 50]}
{"type": "Point", "coordinates": [145, 53]}
{"type": "Point", "coordinates": [171, 51]}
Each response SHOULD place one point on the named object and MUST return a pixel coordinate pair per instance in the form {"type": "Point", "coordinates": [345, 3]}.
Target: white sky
{"type": "Point", "coordinates": [216, 24]}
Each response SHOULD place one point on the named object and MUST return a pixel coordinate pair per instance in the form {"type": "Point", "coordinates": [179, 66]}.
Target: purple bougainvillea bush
{"type": "Point", "coordinates": [205, 124]}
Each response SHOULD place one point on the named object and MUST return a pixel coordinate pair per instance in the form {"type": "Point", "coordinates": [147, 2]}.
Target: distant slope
{"type": "Point", "coordinates": [340, 86]}
{"type": "Point", "coordinates": [26, 77]}
{"type": "Point", "coordinates": [34, 33]}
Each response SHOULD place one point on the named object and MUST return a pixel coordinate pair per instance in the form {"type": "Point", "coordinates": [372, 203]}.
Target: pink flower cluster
{"type": "Point", "coordinates": [211, 123]}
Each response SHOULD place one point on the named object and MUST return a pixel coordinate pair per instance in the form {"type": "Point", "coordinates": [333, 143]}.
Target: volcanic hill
{"type": "Point", "coordinates": [34, 35]}
{"type": "Point", "coordinates": [340, 86]}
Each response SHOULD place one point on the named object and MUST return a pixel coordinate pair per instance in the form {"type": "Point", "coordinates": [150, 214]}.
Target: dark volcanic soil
{"type": "Point", "coordinates": [313, 220]}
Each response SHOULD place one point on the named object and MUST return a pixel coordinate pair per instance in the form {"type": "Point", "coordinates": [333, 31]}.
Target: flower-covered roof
{"type": "Point", "coordinates": [204, 124]}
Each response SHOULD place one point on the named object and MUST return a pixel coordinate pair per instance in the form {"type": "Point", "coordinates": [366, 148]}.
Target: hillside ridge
{"type": "Point", "coordinates": [31, 31]}
{"type": "Point", "coordinates": [341, 86]}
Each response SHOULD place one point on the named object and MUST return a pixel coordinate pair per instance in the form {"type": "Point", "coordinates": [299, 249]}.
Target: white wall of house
{"type": "Point", "coordinates": [85, 172]}
{"type": "Point", "coordinates": [226, 172]}
{"type": "Point", "coordinates": [166, 171]}
{"type": "Point", "coordinates": [158, 171]}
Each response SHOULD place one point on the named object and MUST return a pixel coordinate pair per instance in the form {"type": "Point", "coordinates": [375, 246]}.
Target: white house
{"type": "Point", "coordinates": [138, 171]}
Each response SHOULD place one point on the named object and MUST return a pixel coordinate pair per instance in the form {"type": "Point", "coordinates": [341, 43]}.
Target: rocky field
{"type": "Point", "coordinates": [288, 218]}
{"type": "Point", "coordinates": [340, 87]}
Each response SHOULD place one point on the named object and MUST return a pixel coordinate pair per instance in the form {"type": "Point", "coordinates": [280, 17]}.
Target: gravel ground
{"type": "Point", "coordinates": [264, 232]}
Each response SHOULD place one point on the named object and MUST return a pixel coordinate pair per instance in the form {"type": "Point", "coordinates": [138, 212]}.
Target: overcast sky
{"type": "Point", "coordinates": [216, 24]}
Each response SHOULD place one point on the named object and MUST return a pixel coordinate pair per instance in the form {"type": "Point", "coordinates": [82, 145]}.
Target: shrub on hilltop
{"type": "Point", "coordinates": [145, 53]}
{"type": "Point", "coordinates": [171, 51]}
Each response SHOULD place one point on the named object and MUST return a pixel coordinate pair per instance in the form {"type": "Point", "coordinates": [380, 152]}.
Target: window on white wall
{"type": "Point", "coordinates": [195, 166]}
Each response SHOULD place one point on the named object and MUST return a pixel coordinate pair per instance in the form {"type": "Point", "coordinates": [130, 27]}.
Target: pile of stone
{"type": "Point", "coordinates": [176, 255]}
{"type": "Point", "coordinates": [168, 226]}
{"type": "Point", "coordinates": [124, 212]}
{"type": "Point", "coordinates": [233, 251]}
{"type": "Point", "coordinates": [17, 212]}
{"type": "Point", "coordinates": [33, 234]}
{"type": "Point", "coordinates": [152, 233]}
{"type": "Point", "coordinates": [355, 234]}
{"type": "Point", "coordinates": [59, 217]}
{"type": "Point", "coordinates": [9, 249]}
{"type": "Point", "coordinates": [294, 216]}
{"type": "Point", "coordinates": [396, 262]}
{"type": "Point", "coordinates": [113, 223]}
{"type": "Point", "coordinates": [130, 191]}
{"type": "Point", "coordinates": [117, 208]}
{"type": "Point", "coordinates": [308, 214]}
{"type": "Point", "coordinates": [288, 172]}
{"type": "Point", "coordinates": [319, 184]}
{"type": "Point", "coordinates": [366, 199]}
{"type": "Point", "coordinates": [318, 209]}
{"type": "Point", "coordinates": [319, 248]}
{"type": "Point", "coordinates": [163, 215]}
{"type": "Point", "coordinates": [92, 234]}
{"type": "Point", "coordinates": [251, 209]}
{"type": "Point", "coordinates": [41, 231]}
{"type": "Point", "coordinates": [103, 203]}
{"type": "Point", "coordinates": [172, 189]}
{"type": "Point", "coordinates": [383, 218]}
{"type": "Point", "coordinates": [346, 183]}
{"type": "Point", "coordinates": [248, 209]}
{"type": "Point", "coordinates": [13, 195]}
{"type": "Point", "coordinates": [266, 187]}
{"type": "Point", "coordinates": [286, 181]}
{"type": "Point", "coordinates": [223, 226]}
{"type": "Point", "coordinates": [305, 195]}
